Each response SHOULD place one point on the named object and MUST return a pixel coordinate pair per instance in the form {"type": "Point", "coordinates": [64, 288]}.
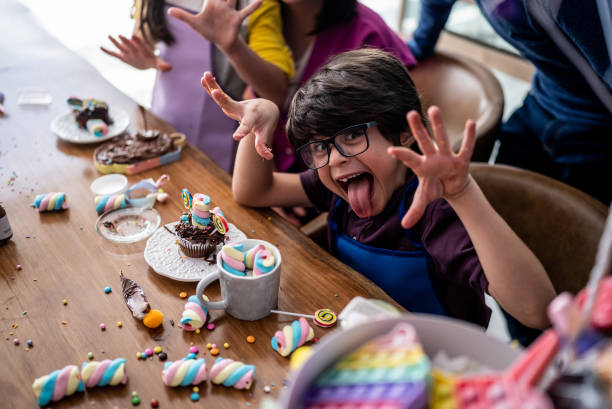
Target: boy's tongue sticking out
{"type": "Point", "coordinates": [359, 191]}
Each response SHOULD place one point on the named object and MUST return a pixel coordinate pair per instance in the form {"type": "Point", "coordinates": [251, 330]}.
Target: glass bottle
{"type": "Point", "coordinates": [5, 228]}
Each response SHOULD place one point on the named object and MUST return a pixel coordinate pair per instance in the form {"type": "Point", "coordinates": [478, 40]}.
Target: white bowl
{"type": "Point", "coordinates": [110, 184]}
{"type": "Point", "coordinates": [435, 333]}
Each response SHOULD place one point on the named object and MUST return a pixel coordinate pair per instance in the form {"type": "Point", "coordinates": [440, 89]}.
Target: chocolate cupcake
{"type": "Point", "coordinates": [200, 233]}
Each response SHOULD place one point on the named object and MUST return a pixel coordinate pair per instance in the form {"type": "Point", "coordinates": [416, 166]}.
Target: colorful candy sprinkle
{"type": "Point", "coordinates": [196, 389]}
{"type": "Point", "coordinates": [30, 343]}
{"type": "Point", "coordinates": [210, 326]}
{"type": "Point", "coordinates": [102, 326]}
{"type": "Point", "coordinates": [195, 396]}
{"type": "Point", "coordinates": [135, 400]}
{"type": "Point", "coordinates": [16, 341]}
{"type": "Point", "coordinates": [90, 355]}
{"type": "Point", "coordinates": [209, 345]}
{"type": "Point", "coordinates": [119, 324]}
{"type": "Point", "coordinates": [65, 301]}
{"type": "Point", "coordinates": [267, 389]}
{"type": "Point", "coordinates": [157, 349]}
{"type": "Point", "coordinates": [183, 294]}
{"type": "Point", "coordinates": [162, 356]}
{"type": "Point", "coordinates": [107, 290]}
{"type": "Point", "coordinates": [154, 403]}
{"type": "Point", "coordinates": [226, 345]}
{"type": "Point", "coordinates": [18, 267]}
{"type": "Point", "coordinates": [194, 349]}
{"type": "Point", "coordinates": [191, 355]}
{"type": "Point", "coordinates": [149, 351]}
{"type": "Point", "coordinates": [250, 339]}
{"type": "Point", "coordinates": [214, 352]}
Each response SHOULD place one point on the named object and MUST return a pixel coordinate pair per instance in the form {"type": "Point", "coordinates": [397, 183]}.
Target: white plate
{"type": "Point", "coordinates": [128, 224]}
{"type": "Point", "coordinates": [435, 333]}
{"type": "Point", "coordinates": [110, 184]}
{"type": "Point", "coordinates": [66, 127]}
{"type": "Point", "coordinates": [165, 257]}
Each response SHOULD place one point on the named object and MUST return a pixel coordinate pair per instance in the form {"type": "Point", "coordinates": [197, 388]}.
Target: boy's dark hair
{"type": "Point", "coordinates": [352, 88]}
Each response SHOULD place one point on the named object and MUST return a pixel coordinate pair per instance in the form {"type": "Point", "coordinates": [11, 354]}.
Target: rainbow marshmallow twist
{"type": "Point", "coordinates": [110, 202]}
{"type": "Point", "coordinates": [97, 127]}
{"type": "Point", "coordinates": [292, 336]}
{"type": "Point", "coordinates": [184, 372]}
{"type": "Point", "coordinates": [231, 373]}
{"type": "Point", "coordinates": [52, 201]}
{"type": "Point", "coordinates": [194, 315]}
{"type": "Point", "coordinates": [259, 258]}
{"type": "Point", "coordinates": [104, 373]}
{"type": "Point", "coordinates": [56, 385]}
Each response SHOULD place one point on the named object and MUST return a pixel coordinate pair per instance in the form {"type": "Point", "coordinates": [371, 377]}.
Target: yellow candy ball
{"type": "Point", "coordinates": [157, 349]}
{"type": "Point", "coordinates": [153, 319]}
{"type": "Point", "coordinates": [299, 356]}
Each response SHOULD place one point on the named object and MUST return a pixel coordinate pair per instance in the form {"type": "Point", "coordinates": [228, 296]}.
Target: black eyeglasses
{"type": "Point", "coordinates": [349, 142]}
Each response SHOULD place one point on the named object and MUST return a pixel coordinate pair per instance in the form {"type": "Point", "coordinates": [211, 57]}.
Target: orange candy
{"type": "Point", "coordinates": [250, 339]}
{"type": "Point", "coordinates": [153, 319]}
{"type": "Point", "coordinates": [183, 294]}
{"type": "Point", "coordinates": [214, 351]}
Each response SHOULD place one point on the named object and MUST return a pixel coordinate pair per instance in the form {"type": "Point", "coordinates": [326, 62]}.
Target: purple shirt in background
{"type": "Point", "coordinates": [367, 29]}
{"type": "Point", "coordinates": [457, 277]}
{"type": "Point", "coordinates": [180, 99]}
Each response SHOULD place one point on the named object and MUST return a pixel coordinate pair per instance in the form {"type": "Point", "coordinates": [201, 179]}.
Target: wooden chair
{"type": "Point", "coordinates": [463, 89]}
{"type": "Point", "coordinates": [559, 223]}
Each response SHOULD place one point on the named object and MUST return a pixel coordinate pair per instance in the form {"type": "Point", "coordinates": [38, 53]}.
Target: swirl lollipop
{"type": "Point", "coordinates": [220, 223]}
{"type": "Point", "coordinates": [187, 200]}
{"type": "Point", "coordinates": [323, 317]}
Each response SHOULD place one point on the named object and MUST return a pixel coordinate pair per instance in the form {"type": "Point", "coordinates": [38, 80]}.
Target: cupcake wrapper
{"type": "Point", "coordinates": [196, 250]}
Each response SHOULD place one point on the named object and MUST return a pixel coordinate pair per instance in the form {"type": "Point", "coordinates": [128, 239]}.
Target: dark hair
{"type": "Point", "coordinates": [333, 12]}
{"type": "Point", "coordinates": [354, 87]}
{"type": "Point", "coordinates": [153, 24]}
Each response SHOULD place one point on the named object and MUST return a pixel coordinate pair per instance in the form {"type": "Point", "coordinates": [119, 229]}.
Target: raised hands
{"type": "Point", "coordinates": [256, 116]}
{"type": "Point", "coordinates": [137, 53]}
{"type": "Point", "coordinates": [441, 172]}
{"type": "Point", "coordinates": [218, 22]}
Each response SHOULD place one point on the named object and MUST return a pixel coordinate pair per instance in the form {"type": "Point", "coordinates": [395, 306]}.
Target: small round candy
{"type": "Point", "coordinates": [134, 393]}
{"type": "Point", "coordinates": [191, 355]}
{"type": "Point", "coordinates": [183, 294]}
{"type": "Point", "coordinates": [267, 389]}
{"type": "Point", "coordinates": [214, 352]}
{"type": "Point", "coordinates": [162, 356]}
{"type": "Point", "coordinates": [157, 349]}
{"type": "Point", "coordinates": [102, 326]}
{"type": "Point", "coordinates": [18, 267]}
{"type": "Point", "coordinates": [16, 341]}
{"type": "Point", "coordinates": [154, 403]}
{"type": "Point", "coordinates": [325, 318]}
{"type": "Point", "coordinates": [30, 343]}
{"type": "Point", "coordinates": [195, 389]}
{"type": "Point", "coordinates": [195, 396]}
{"type": "Point", "coordinates": [149, 351]}
{"type": "Point", "coordinates": [107, 290]}
{"type": "Point", "coordinates": [250, 339]}
{"type": "Point", "coordinates": [90, 355]}
{"type": "Point", "coordinates": [153, 319]}
{"type": "Point", "coordinates": [194, 349]}
{"type": "Point", "coordinates": [197, 331]}
{"type": "Point", "coordinates": [209, 345]}
{"type": "Point", "coordinates": [187, 200]}
{"type": "Point", "coordinates": [138, 356]}
{"type": "Point", "coordinates": [119, 324]}
{"type": "Point", "coordinates": [210, 326]}
{"type": "Point", "coordinates": [226, 345]}
{"type": "Point", "coordinates": [65, 301]}
{"type": "Point", "coordinates": [135, 400]}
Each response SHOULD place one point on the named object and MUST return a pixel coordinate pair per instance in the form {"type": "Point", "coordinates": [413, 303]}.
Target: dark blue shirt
{"type": "Point", "coordinates": [558, 86]}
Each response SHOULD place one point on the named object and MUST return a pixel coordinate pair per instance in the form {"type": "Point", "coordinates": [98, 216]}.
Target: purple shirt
{"type": "Point", "coordinates": [457, 276]}
{"type": "Point", "coordinates": [367, 29]}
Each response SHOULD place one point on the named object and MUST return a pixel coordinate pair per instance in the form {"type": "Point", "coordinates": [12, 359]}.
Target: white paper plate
{"type": "Point", "coordinates": [165, 257]}
{"type": "Point", "coordinates": [66, 127]}
{"type": "Point", "coordinates": [436, 334]}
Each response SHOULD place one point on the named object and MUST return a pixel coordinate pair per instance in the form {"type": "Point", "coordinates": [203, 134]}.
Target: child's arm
{"type": "Point", "coordinates": [220, 23]}
{"type": "Point", "coordinates": [517, 279]}
{"type": "Point", "coordinates": [254, 182]}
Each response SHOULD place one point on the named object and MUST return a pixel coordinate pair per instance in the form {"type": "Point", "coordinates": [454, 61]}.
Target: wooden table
{"type": "Point", "coordinates": [63, 257]}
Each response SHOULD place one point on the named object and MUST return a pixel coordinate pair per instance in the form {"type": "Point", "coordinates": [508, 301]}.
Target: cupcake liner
{"type": "Point", "coordinates": [191, 249]}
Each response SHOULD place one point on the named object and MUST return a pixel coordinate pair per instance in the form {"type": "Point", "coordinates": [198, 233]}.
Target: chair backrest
{"type": "Point", "coordinates": [463, 89]}
{"type": "Point", "coordinates": [559, 223]}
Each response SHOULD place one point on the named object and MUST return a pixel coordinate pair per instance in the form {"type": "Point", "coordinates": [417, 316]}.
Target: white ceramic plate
{"type": "Point", "coordinates": [66, 128]}
{"type": "Point", "coordinates": [436, 334]}
{"type": "Point", "coordinates": [165, 257]}
{"type": "Point", "coordinates": [128, 225]}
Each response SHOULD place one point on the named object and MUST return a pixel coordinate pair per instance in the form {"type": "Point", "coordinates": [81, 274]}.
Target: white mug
{"type": "Point", "coordinates": [247, 298]}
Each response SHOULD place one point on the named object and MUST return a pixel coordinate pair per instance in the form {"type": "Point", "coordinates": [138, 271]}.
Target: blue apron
{"type": "Point", "coordinates": [404, 275]}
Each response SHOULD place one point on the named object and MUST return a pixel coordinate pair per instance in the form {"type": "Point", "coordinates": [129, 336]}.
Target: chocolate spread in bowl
{"type": "Point", "coordinates": [128, 149]}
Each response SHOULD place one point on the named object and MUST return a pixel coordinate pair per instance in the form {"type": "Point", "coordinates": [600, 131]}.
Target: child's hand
{"type": "Point", "coordinates": [218, 22]}
{"type": "Point", "coordinates": [257, 116]}
{"type": "Point", "coordinates": [441, 172]}
{"type": "Point", "coordinates": [137, 53]}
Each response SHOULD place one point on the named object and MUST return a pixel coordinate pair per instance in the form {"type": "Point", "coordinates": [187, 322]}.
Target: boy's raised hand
{"type": "Point", "coordinates": [137, 53]}
{"type": "Point", "coordinates": [441, 172]}
{"type": "Point", "coordinates": [218, 21]}
{"type": "Point", "coordinates": [256, 116]}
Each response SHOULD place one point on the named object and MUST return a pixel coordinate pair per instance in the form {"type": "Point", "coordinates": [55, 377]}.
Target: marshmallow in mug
{"type": "Point", "coordinates": [260, 259]}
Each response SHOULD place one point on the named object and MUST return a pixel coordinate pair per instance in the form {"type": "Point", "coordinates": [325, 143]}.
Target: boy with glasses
{"type": "Point", "coordinates": [349, 125]}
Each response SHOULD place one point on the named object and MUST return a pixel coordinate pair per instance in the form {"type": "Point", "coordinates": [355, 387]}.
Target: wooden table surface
{"type": "Point", "coordinates": [63, 257]}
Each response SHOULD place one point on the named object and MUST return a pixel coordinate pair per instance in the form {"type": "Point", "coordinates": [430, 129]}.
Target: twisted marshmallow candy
{"type": "Point", "coordinates": [47, 202]}
{"type": "Point", "coordinates": [292, 336]}
{"type": "Point", "coordinates": [110, 202]}
{"type": "Point", "coordinates": [185, 372]}
{"type": "Point", "coordinates": [232, 373]}
{"type": "Point", "coordinates": [194, 315]}
{"type": "Point", "coordinates": [56, 385]}
{"type": "Point", "coordinates": [104, 373]}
